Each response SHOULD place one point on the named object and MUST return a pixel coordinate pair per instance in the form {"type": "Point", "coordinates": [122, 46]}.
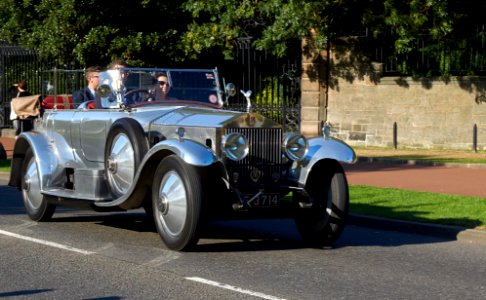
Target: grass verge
{"type": "Point", "coordinates": [469, 212]}
{"type": "Point", "coordinates": [4, 165]}
{"type": "Point", "coordinates": [429, 155]}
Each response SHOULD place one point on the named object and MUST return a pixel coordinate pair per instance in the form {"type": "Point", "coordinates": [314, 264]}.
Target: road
{"type": "Point", "coordinates": [88, 255]}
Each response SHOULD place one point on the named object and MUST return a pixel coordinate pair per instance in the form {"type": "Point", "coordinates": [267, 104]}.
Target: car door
{"type": "Point", "coordinates": [93, 129]}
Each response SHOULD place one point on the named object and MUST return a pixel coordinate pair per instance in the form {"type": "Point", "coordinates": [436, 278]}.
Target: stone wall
{"type": "Point", "coordinates": [362, 106]}
{"type": "Point", "coordinates": [428, 114]}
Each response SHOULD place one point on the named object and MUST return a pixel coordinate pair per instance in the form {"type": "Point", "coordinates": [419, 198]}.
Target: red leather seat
{"type": "Point", "coordinates": [59, 102]}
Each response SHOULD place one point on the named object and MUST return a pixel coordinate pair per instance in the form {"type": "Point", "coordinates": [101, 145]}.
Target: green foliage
{"type": "Point", "coordinates": [152, 32]}
{"type": "Point", "coordinates": [271, 93]}
{"type": "Point", "coordinates": [436, 30]}
{"type": "Point", "coordinates": [444, 24]}
{"type": "Point", "coordinates": [271, 24]}
{"type": "Point", "coordinates": [94, 32]}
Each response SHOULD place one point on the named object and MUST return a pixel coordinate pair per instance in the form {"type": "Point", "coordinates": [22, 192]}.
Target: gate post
{"type": "Point", "coordinates": [314, 88]}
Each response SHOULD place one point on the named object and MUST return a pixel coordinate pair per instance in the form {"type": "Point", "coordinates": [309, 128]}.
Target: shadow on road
{"type": "Point", "coordinates": [247, 235]}
{"type": "Point", "coordinates": [24, 293]}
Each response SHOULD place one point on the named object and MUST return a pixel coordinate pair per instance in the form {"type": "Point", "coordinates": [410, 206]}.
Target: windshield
{"type": "Point", "coordinates": [131, 86]}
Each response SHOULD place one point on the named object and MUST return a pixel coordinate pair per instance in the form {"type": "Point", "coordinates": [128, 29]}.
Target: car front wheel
{"type": "Point", "coordinates": [37, 205]}
{"type": "Point", "coordinates": [322, 224]}
{"type": "Point", "coordinates": [177, 201]}
{"type": "Point", "coordinates": [125, 148]}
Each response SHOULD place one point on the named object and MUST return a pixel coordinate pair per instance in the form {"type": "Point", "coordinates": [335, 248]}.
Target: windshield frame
{"type": "Point", "coordinates": [186, 85]}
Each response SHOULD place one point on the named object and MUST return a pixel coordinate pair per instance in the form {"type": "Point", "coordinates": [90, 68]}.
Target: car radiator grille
{"type": "Point", "coordinates": [263, 163]}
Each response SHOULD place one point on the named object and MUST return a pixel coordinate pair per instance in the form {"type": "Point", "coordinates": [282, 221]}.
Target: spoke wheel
{"type": "Point", "coordinates": [37, 205]}
{"type": "Point", "coordinates": [177, 201]}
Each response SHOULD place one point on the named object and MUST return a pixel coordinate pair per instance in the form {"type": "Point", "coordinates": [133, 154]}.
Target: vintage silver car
{"type": "Point", "coordinates": [186, 160]}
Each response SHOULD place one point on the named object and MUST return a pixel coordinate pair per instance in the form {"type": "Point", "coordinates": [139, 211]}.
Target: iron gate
{"type": "Point", "coordinates": [17, 63]}
{"type": "Point", "coordinates": [274, 82]}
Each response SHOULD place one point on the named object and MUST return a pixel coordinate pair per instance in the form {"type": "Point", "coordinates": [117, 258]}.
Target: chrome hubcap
{"type": "Point", "coordinates": [31, 187]}
{"type": "Point", "coordinates": [172, 203]}
{"type": "Point", "coordinates": [163, 204]}
{"type": "Point", "coordinates": [121, 164]}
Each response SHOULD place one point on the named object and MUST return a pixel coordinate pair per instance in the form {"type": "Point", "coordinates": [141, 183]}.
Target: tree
{"type": "Point", "coordinates": [152, 32]}
{"type": "Point", "coordinates": [142, 32]}
{"type": "Point", "coordinates": [447, 25]}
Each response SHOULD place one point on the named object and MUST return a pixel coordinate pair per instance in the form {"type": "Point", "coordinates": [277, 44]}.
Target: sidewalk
{"type": "Point", "coordinates": [8, 144]}
{"type": "Point", "coordinates": [466, 180]}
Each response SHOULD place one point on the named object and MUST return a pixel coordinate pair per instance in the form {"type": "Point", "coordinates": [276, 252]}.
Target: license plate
{"type": "Point", "coordinates": [263, 200]}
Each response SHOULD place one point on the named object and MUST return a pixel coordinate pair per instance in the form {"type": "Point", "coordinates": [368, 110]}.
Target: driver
{"type": "Point", "coordinates": [161, 88]}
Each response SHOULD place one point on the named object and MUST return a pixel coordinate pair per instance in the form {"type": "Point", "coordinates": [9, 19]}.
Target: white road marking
{"type": "Point", "coordinates": [47, 243]}
{"type": "Point", "coordinates": [233, 288]}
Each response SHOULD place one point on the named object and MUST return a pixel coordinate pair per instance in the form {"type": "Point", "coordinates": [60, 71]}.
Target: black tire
{"type": "Point", "coordinates": [322, 224]}
{"type": "Point", "coordinates": [126, 146]}
{"type": "Point", "coordinates": [37, 205]}
{"type": "Point", "coordinates": [3, 153]}
{"type": "Point", "coordinates": [177, 203]}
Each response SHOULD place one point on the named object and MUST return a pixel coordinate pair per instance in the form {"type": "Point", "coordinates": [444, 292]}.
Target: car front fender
{"type": "Point", "coordinates": [52, 154]}
{"type": "Point", "coordinates": [321, 148]}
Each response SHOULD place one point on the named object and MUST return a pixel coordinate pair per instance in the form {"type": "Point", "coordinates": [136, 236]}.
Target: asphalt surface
{"type": "Point", "coordinates": [465, 180]}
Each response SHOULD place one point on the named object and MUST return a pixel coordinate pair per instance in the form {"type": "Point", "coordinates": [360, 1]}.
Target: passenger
{"type": "Point", "coordinates": [161, 88]}
{"type": "Point", "coordinates": [92, 75]}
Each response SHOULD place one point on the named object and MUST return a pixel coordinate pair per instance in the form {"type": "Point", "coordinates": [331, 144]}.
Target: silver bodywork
{"type": "Point", "coordinates": [69, 145]}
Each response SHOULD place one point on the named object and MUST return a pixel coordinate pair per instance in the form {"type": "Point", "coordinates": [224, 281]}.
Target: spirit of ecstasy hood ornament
{"type": "Point", "coordinates": [247, 95]}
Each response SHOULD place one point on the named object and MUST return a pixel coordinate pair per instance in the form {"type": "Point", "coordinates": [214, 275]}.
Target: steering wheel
{"type": "Point", "coordinates": [137, 95]}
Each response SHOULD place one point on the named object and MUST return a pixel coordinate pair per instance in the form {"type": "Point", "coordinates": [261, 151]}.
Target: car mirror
{"type": "Point", "coordinates": [104, 90]}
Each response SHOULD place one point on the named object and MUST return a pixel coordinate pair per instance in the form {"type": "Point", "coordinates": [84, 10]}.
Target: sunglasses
{"type": "Point", "coordinates": [163, 83]}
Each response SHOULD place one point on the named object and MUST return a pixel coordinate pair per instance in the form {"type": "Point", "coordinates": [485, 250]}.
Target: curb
{"type": "Point", "coordinates": [443, 231]}
{"type": "Point", "coordinates": [5, 176]}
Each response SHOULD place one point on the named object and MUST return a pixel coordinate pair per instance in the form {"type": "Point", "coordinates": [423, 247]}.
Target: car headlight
{"type": "Point", "coordinates": [295, 146]}
{"type": "Point", "coordinates": [235, 146]}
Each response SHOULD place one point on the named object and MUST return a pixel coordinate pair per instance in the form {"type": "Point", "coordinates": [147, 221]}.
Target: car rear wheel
{"type": "Point", "coordinates": [125, 148]}
{"type": "Point", "coordinates": [177, 203]}
{"type": "Point", "coordinates": [37, 205]}
{"type": "Point", "coordinates": [322, 224]}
